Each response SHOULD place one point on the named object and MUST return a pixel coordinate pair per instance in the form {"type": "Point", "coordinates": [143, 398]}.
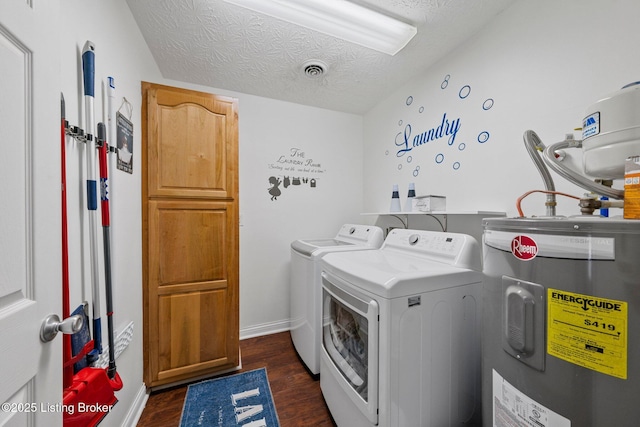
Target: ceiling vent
{"type": "Point", "coordinates": [314, 69]}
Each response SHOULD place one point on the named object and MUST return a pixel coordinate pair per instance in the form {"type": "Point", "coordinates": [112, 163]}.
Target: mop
{"type": "Point", "coordinates": [78, 345]}
{"type": "Point", "coordinates": [88, 72]}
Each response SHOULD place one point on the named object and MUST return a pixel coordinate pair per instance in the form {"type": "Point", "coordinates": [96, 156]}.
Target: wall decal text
{"type": "Point", "coordinates": [446, 128]}
{"type": "Point", "coordinates": [297, 170]}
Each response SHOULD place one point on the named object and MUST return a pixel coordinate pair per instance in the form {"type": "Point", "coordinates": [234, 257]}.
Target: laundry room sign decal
{"type": "Point", "coordinates": [292, 170]}
{"type": "Point", "coordinates": [446, 128]}
{"type": "Point", "coordinates": [432, 127]}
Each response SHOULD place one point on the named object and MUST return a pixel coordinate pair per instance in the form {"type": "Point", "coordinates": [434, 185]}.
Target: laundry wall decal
{"type": "Point", "coordinates": [447, 127]}
{"type": "Point", "coordinates": [293, 169]}
{"type": "Point", "coordinates": [439, 136]}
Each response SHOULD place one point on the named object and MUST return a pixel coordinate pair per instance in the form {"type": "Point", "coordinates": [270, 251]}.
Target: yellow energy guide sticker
{"type": "Point", "coordinates": [588, 331]}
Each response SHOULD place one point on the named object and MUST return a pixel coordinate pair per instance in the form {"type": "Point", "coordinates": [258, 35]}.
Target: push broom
{"type": "Point", "coordinates": [114, 378]}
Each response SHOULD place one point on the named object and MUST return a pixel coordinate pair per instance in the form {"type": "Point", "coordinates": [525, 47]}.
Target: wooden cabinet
{"type": "Point", "coordinates": [190, 234]}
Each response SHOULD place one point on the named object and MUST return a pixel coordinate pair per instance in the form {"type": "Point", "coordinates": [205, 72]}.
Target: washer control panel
{"type": "Point", "coordinates": [357, 233]}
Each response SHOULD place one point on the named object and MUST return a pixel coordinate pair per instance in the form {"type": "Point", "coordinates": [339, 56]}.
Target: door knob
{"type": "Point", "coordinates": [52, 325]}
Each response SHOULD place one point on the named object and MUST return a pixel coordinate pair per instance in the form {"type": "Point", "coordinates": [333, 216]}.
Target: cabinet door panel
{"type": "Point", "coordinates": [198, 340]}
{"type": "Point", "coordinates": [191, 247]}
{"type": "Point", "coordinates": [195, 138]}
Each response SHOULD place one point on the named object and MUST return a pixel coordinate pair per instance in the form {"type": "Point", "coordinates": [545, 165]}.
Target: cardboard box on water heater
{"type": "Point", "coordinates": [632, 188]}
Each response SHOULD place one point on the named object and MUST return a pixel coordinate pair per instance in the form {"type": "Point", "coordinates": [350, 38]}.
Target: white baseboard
{"type": "Point", "coordinates": [135, 411]}
{"type": "Point", "coordinates": [264, 329]}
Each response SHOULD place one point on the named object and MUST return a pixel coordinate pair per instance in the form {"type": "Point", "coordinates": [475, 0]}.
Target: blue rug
{"type": "Point", "coordinates": [237, 400]}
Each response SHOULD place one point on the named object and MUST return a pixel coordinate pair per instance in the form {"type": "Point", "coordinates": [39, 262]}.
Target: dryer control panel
{"type": "Point", "coordinates": [455, 249]}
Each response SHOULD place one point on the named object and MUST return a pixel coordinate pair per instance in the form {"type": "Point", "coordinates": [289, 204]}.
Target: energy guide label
{"type": "Point", "coordinates": [588, 331]}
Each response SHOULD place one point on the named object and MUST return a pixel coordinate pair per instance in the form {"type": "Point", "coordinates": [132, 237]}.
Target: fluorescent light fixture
{"type": "Point", "coordinates": [339, 18]}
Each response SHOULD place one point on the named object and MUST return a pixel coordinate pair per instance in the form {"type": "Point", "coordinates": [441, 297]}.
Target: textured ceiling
{"type": "Point", "coordinates": [217, 44]}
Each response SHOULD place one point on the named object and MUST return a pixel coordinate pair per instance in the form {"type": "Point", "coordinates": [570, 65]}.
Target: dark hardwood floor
{"type": "Point", "coordinates": [296, 393]}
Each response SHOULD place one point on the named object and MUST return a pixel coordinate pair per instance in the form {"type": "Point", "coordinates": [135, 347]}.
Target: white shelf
{"type": "Point", "coordinates": [438, 213]}
{"type": "Point", "coordinates": [442, 217]}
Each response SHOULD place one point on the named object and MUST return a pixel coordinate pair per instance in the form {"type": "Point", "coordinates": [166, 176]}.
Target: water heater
{"type": "Point", "coordinates": [561, 319]}
{"type": "Point", "coordinates": [611, 133]}
{"type": "Point", "coordinates": [560, 343]}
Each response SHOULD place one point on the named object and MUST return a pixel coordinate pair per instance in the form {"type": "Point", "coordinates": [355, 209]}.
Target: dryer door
{"type": "Point", "coordinates": [350, 339]}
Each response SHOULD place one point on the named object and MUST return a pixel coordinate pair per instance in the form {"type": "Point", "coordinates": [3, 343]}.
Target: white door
{"type": "Point", "coordinates": [30, 230]}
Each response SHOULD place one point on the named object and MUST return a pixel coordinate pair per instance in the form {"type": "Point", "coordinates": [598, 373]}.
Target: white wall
{"type": "Point", "coordinates": [543, 63]}
{"type": "Point", "coordinates": [272, 133]}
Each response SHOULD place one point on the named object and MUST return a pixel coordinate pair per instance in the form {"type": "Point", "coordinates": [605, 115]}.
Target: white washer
{"type": "Point", "coordinates": [401, 332]}
{"type": "Point", "coordinates": [306, 285]}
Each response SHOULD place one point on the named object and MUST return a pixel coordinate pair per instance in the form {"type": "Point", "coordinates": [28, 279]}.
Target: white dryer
{"type": "Point", "coordinates": [401, 332]}
{"type": "Point", "coordinates": [306, 285]}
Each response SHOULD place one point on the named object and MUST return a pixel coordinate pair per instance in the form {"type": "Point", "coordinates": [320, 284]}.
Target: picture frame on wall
{"type": "Point", "coordinates": [124, 135]}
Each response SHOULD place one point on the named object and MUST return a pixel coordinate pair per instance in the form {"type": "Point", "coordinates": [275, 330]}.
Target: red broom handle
{"type": "Point", "coordinates": [67, 374]}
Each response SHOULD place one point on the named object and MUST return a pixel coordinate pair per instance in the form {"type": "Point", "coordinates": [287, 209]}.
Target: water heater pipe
{"type": "Point", "coordinates": [533, 144]}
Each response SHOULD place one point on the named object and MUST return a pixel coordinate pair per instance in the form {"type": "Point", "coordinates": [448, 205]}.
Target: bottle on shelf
{"type": "Point", "coordinates": [408, 205]}
{"type": "Point", "coordinates": [395, 199]}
